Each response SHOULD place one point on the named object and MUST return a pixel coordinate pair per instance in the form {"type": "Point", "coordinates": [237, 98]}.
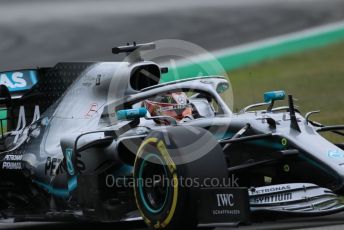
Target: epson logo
{"type": "Point", "coordinates": [13, 80]}
{"type": "Point", "coordinates": [225, 200]}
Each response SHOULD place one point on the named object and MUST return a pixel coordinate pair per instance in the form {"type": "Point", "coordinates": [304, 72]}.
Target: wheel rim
{"type": "Point", "coordinates": [154, 195]}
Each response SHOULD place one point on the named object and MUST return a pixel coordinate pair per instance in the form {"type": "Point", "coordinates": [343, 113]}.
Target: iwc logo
{"type": "Point", "coordinates": [225, 200]}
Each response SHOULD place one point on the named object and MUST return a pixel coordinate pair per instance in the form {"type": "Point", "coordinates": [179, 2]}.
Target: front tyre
{"type": "Point", "coordinates": [167, 182]}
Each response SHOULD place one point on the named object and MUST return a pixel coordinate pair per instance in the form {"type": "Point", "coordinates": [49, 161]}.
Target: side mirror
{"type": "Point", "coordinates": [274, 96]}
{"type": "Point", "coordinates": [222, 87]}
{"type": "Point", "coordinates": [130, 114]}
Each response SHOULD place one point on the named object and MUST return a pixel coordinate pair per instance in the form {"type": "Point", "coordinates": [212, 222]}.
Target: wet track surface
{"type": "Point", "coordinates": [42, 33]}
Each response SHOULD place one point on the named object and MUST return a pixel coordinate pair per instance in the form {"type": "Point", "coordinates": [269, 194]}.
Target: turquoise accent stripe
{"type": "Point", "coordinates": [268, 144]}
{"type": "Point", "coordinates": [232, 59]}
{"type": "Point", "coordinates": [140, 184]}
{"type": "Point", "coordinates": [33, 76]}
{"type": "Point", "coordinates": [226, 135]}
{"type": "Point", "coordinates": [70, 167]}
{"type": "Point", "coordinates": [124, 170]}
{"type": "Point", "coordinates": [73, 183]}
{"type": "Point", "coordinates": [317, 165]}
{"type": "Point", "coordinates": [60, 192]}
{"type": "Point", "coordinates": [263, 143]}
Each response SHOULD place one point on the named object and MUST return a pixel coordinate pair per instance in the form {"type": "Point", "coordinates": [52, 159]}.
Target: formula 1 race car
{"type": "Point", "coordinates": [108, 142]}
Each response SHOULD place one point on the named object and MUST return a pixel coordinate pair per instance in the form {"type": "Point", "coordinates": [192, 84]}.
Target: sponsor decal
{"type": "Point", "coordinates": [171, 107]}
{"type": "Point", "coordinates": [226, 212]}
{"type": "Point", "coordinates": [13, 157]}
{"type": "Point", "coordinates": [88, 80]}
{"type": "Point", "coordinates": [12, 165]}
{"type": "Point", "coordinates": [181, 100]}
{"type": "Point", "coordinates": [53, 166]}
{"type": "Point", "coordinates": [335, 154]}
{"type": "Point", "coordinates": [92, 110]}
{"type": "Point", "coordinates": [206, 82]}
{"type": "Point", "coordinates": [223, 205]}
{"type": "Point", "coordinates": [280, 197]}
{"type": "Point", "coordinates": [271, 190]}
{"type": "Point", "coordinates": [19, 80]}
{"type": "Point", "coordinates": [12, 162]}
{"type": "Point", "coordinates": [56, 166]}
{"type": "Point", "coordinates": [98, 79]}
{"type": "Point", "coordinates": [225, 200]}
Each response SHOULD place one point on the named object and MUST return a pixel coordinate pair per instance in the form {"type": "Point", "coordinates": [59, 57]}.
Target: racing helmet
{"type": "Point", "coordinates": [175, 105]}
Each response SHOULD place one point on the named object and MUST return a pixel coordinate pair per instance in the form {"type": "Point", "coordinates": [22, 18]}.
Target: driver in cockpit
{"type": "Point", "coordinates": [175, 105]}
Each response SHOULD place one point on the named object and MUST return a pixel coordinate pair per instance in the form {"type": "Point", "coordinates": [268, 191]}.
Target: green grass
{"type": "Point", "coordinates": [315, 78]}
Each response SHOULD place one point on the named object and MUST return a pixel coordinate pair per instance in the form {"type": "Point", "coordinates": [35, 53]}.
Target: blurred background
{"type": "Point", "coordinates": [44, 32]}
{"type": "Point", "coordinates": [40, 33]}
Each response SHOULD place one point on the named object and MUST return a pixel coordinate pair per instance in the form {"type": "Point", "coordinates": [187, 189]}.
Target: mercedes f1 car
{"type": "Point", "coordinates": [98, 141]}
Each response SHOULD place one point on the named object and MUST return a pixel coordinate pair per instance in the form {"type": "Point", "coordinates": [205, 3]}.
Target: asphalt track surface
{"type": "Point", "coordinates": [333, 222]}
{"type": "Point", "coordinates": [44, 32]}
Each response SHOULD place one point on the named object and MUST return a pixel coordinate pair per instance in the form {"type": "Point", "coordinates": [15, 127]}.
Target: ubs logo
{"type": "Point", "coordinates": [225, 200]}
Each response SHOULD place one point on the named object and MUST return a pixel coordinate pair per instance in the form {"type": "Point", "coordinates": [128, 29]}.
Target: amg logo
{"type": "Point", "coordinates": [225, 200]}
{"type": "Point", "coordinates": [274, 198]}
